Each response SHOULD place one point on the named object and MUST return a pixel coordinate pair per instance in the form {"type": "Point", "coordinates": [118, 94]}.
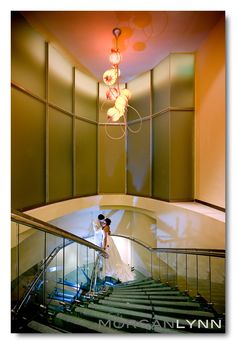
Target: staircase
{"type": "Point", "coordinates": [141, 306]}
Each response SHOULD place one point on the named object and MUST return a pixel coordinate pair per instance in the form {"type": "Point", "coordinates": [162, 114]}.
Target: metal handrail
{"type": "Point", "coordinates": [45, 263]}
{"type": "Point", "coordinates": [32, 222]}
{"type": "Point", "coordinates": [133, 239]}
{"type": "Point", "coordinates": [194, 251]}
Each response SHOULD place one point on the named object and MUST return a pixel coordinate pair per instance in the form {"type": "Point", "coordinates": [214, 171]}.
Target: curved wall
{"type": "Point", "coordinates": [154, 222]}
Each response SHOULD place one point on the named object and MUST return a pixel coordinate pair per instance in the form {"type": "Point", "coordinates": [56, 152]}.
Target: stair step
{"type": "Point", "coordinates": [165, 292]}
{"type": "Point", "coordinates": [90, 325]}
{"type": "Point", "coordinates": [146, 280]}
{"type": "Point", "coordinates": [126, 290]}
{"type": "Point", "coordinates": [113, 318]}
{"type": "Point", "coordinates": [158, 321]}
{"type": "Point", "coordinates": [41, 328]}
{"type": "Point", "coordinates": [125, 322]}
{"type": "Point", "coordinates": [122, 310]}
{"type": "Point", "coordinates": [140, 293]}
{"type": "Point", "coordinates": [150, 297]}
{"type": "Point", "coordinates": [144, 285]}
{"type": "Point", "coordinates": [183, 312]}
{"type": "Point", "coordinates": [187, 304]}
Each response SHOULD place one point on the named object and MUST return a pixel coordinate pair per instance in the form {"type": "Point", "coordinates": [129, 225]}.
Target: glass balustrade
{"type": "Point", "coordinates": [50, 270]}
{"type": "Point", "coordinates": [141, 260]}
{"type": "Point", "coordinates": [199, 273]}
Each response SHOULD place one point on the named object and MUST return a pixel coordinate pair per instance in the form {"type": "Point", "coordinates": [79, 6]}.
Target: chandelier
{"type": "Point", "coordinates": [117, 98]}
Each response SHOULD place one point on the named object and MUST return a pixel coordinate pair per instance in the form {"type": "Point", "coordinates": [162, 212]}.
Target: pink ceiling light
{"type": "Point", "coordinates": [111, 78]}
{"type": "Point", "coordinates": [115, 57]}
{"type": "Point", "coordinates": [119, 97]}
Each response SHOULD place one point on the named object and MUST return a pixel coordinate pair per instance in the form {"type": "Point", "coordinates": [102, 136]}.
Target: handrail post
{"type": "Point", "coordinates": [209, 263]}
{"type": "Point", "coordinates": [197, 273]}
{"type": "Point", "coordinates": [18, 263]}
{"type": "Point", "coordinates": [151, 264]}
{"type": "Point", "coordinates": [77, 270]}
{"type": "Point", "coordinates": [131, 251]}
{"type": "Point", "coordinates": [94, 275]}
{"type": "Point", "coordinates": [63, 268]}
{"type": "Point", "coordinates": [167, 268]}
{"type": "Point", "coordinates": [176, 269]}
{"type": "Point", "coordinates": [87, 269]}
{"type": "Point", "coordinates": [186, 272]}
{"type": "Point", "coordinates": [44, 270]}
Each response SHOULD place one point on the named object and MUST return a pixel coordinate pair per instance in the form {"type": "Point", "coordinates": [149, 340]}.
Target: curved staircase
{"type": "Point", "coordinates": [146, 306]}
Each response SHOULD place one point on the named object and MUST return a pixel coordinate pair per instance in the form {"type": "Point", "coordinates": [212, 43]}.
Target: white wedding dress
{"type": "Point", "coordinates": [113, 266]}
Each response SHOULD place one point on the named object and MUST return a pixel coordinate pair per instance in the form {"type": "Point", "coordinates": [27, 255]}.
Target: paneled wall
{"type": "Point", "coordinates": [54, 118]}
{"type": "Point", "coordinates": [160, 156]}
{"type": "Point", "coordinates": [62, 146]}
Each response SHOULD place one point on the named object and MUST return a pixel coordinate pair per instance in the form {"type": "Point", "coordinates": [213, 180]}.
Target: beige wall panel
{"type": "Point", "coordinates": [210, 118]}
{"type": "Point", "coordinates": [60, 155]}
{"type": "Point", "coordinates": [161, 86]}
{"type": "Point", "coordinates": [28, 56]}
{"type": "Point", "coordinates": [27, 151]}
{"type": "Point", "coordinates": [60, 80]}
{"type": "Point", "coordinates": [86, 158]}
{"type": "Point", "coordinates": [140, 96]}
{"type": "Point", "coordinates": [161, 157]}
{"type": "Point", "coordinates": [181, 155]}
{"type": "Point", "coordinates": [182, 80]}
{"type": "Point", "coordinates": [86, 92]}
{"type": "Point", "coordinates": [138, 160]}
{"type": "Point", "coordinates": [111, 161]}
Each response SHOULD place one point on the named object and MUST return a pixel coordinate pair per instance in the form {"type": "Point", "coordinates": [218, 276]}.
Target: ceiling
{"type": "Point", "coordinates": [147, 37]}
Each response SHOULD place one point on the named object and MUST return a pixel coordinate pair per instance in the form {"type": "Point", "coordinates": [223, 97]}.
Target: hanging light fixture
{"type": "Point", "coordinates": [119, 97]}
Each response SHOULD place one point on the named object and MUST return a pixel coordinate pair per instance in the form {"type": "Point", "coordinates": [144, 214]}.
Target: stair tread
{"type": "Point", "coordinates": [41, 328]}
{"type": "Point", "coordinates": [151, 297]}
{"type": "Point", "coordinates": [146, 280]}
{"type": "Point", "coordinates": [125, 321]}
{"type": "Point", "coordinates": [107, 307]}
{"type": "Point", "coordinates": [156, 309]}
{"type": "Point", "coordinates": [86, 323]}
{"type": "Point", "coordinates": [107, 316]}
{"type": "Point", "coordinates": [145, 285]}
{"type": "Point", "coordinates": [117, 291]}
{"type": "Point", "coordinates": [184, 312]}
{"type": "Point", "coordinates": [164, 292]}
{"type": "Point", "coordinates": [159, 309]}
{"type": "Point", "coordinates": [156, 302]}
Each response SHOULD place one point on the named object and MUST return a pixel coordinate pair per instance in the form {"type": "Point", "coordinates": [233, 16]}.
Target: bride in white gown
{"type": "Point", "coordinates": [114, 265]}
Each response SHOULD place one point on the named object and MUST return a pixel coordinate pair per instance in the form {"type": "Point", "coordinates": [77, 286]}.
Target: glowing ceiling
{"type": "Point", "coordinates": [147, 37]}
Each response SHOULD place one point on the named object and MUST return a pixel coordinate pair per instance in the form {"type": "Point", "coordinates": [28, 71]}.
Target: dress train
{"type": "Point", "coordinates": [114, 265]}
